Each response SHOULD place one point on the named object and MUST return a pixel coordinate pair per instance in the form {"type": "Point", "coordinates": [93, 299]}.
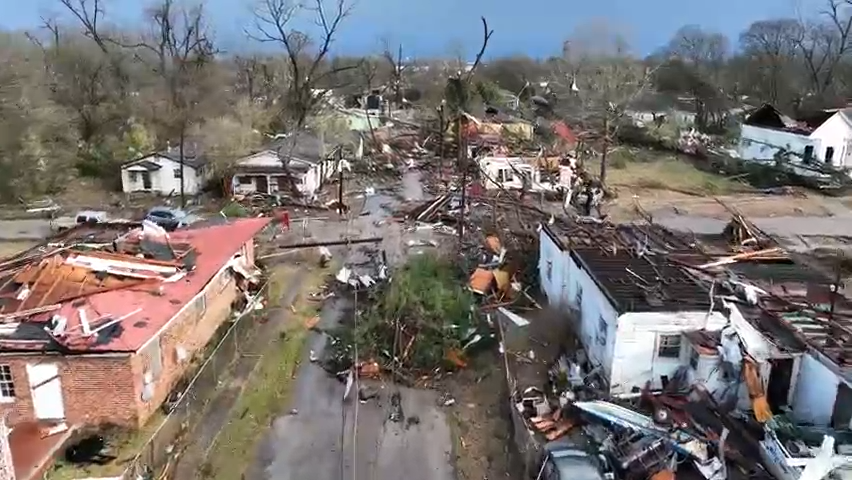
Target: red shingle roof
{"type": "Point", "coordinates": [214, 247]}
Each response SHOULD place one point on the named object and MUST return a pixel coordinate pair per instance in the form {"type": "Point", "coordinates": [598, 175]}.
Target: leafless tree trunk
{"type": "Point", "coordinates": [177, 49]}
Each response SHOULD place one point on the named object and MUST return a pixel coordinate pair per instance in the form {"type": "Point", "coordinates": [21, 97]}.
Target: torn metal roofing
{"type": "Point", "coordinates": [112, 299]}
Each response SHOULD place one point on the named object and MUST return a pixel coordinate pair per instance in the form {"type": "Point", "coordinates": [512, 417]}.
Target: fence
{"type": "Point", "coordinates": [158, 454]}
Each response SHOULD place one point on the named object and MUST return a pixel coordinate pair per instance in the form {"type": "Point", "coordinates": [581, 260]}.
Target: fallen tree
{"type": "Point", "coordinates": [423, 319]}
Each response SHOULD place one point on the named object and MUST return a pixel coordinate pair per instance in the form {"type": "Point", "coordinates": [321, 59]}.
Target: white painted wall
{"type": "Point", "coordinates": [624, 346]}
{"type": "Point", "coordinates": [163, 181]}
{"type": "Point", "coordinates": [816, 391]}
{"type": "Point", "coordinates": [637, 339]}
{"type": "Point", "coordinates": [758, 143]}
{"type": "Point", "coordinates": [836, 132]}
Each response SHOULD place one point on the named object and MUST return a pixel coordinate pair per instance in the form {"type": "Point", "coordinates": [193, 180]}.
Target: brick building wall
{"type": "Point", "coordinates": [95, 388]}
{"type": "Point", "coordinates": [184, 340]}
{"type": "Point", "coordinates": [125, 389]}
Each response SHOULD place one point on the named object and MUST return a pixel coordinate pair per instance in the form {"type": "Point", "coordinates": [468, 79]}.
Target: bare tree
{"type": "Point", "coordinates": [825, 44]}
{"type": "Point", "coordinates": [177, 48]}
{"type": "Point", "coordinates": [398, 68]}
{"type": "Point", "coordinates": [596, 81]}
{"type": "Point", "coordinates": [273, 23]}
{"type": "Point", "coordinates": [695, 65]}
{"type": "Point", "coordinates": [771, 48]}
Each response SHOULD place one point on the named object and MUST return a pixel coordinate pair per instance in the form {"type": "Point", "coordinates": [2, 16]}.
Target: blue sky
{"type": "Point", "coordinates": [438, 27]}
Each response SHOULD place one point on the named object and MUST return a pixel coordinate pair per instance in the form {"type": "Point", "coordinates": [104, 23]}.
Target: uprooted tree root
{"type": "Point", "coordinates": [421, 320]}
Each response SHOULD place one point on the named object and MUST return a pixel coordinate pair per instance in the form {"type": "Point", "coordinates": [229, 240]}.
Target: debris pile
{"type": "Point", "coordinates": [420, 321]}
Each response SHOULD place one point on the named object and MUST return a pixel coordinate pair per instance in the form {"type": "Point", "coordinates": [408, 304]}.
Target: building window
{"type": "Point", "coordinates": [7, 385]}
{"type": "Point", "coordinates": [549, 270]}
{"type": "Point", "coordinates": [669, 346]}
{"type": "Point", "coordinates": [829, 155]}
{"type": "Point", "coordinates": [201, 304]}
{"type": "Point", "coordinates": [154, 358]}
{"type": "Point", "coordinates": [244, 180]}
{"type": "Point", "coordinates": [134, 177]}
{"type": "Point", "coordinates": [177, 173]}
{"type": "Point", "coordinates": [505, 175]}
{"type": "Point", "coordinates": [809, 154]}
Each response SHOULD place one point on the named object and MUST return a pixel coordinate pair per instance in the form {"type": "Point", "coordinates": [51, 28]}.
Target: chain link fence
{"type": "Point", "coordinates": [185, 408]}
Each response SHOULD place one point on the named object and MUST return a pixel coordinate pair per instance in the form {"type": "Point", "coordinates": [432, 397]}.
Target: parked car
{"type": "Point", "coordinates": [83, 216]}
{"type": "Point", "coordinates": [564, 461]}
{"type": "Point", "coordinates": [170, 218]}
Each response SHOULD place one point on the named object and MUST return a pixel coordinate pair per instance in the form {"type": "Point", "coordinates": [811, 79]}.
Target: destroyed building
{"type": "Point", "coordinates": [98, 325]}
{"type": "Point", "coordinates": [649, 302]}
{"type": "Point", "coordinates": [632, 309]}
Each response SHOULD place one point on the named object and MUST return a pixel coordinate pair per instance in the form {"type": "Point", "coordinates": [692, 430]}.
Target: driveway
{"type": "Point", "coordinates": [323, 436]}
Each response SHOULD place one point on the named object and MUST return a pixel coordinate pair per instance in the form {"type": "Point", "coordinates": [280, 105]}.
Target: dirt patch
{"type": "Point", "coordinates": [480, 420]}
{"type": "Point", "coordinates": [8, 249]}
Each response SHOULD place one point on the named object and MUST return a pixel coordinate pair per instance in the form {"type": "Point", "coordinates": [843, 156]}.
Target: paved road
{"type": "Point", "coordinates": [25, 229]}
{"type": "Point", "coordinates": [307, 444]}
{"type": "Point", "coordinates": [799, 233]}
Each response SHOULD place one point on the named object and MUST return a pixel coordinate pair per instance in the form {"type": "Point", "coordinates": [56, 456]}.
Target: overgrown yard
{"type": "Point", "coordinates": [628, 168]}
{"type": "Point", "coordinates": [267, 388]}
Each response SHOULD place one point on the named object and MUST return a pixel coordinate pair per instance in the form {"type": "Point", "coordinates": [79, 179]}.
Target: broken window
{"type": "Point", "coordinates": [201, 304]}
{"type": "Point", "coordinates": [7, 385]}
{"type": "Point", "coordinates": [134, 177]}
{"type": "Point", "coordinates": [155, 354]}
{"type": "Point", "coordinates": [669, 346]}
{"type": "Point", "coordinates": [809, 154]}
{"type": "Point", "coordinates": [505, 175]}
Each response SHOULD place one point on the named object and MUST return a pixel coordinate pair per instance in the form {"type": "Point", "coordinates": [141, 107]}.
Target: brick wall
{"type": "Point", "coordinates": [109, 388]}
{"type": "Point", "coordinates": [186, 337]}
{"type": "Point", "coordinates": [95, 389]}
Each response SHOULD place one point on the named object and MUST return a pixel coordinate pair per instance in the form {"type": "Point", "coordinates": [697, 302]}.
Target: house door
{"type": "Point", "coordinates": [146, 180]}
{"type": "Point", "coordinates": [46, 391]}
{"type": "Point", "coordinates": [842, 414]}
{"type": "Point", "coordinates": [262, 184]}
{"type": "Point", "coordinates": [780, 378]}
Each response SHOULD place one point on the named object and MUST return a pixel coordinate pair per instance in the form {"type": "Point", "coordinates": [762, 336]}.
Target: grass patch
{"type": "Point", "coordinates": [663, 173]}
{"type": "Point", "coordinates": [268, 389]}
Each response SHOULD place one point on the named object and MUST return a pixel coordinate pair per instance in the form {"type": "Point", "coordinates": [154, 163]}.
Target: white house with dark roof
{"type": "Point", "coordinates": [309, 164]}
{"type": "Point", "coordinates": [632, 308]}
{"type": "Point", "coordinates": [823, 138]}
{"type": "Point", "coordinates": [161, 172]}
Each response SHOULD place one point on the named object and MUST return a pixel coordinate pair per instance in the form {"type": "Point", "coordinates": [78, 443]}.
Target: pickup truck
{"type": "Point", "coordinates": [83, 216]}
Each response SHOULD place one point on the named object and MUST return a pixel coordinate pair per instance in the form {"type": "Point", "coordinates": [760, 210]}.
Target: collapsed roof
{"type": "Point", "coordinates": [110, 287]}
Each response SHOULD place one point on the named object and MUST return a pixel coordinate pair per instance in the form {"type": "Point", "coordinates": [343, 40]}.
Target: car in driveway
{"type": "Point", "coordinates": [170, 218]}
{"type": "Point", "coordinates": [564, 461]}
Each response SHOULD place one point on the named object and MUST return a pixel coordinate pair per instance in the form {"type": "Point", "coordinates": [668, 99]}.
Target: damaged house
{"type": "Point", "coordinates": [632, 307]}
{"type": "Point", "coordinates": [309, 164]}
{"type": "Point", "coordinates": [99, 325]}
{"type": "Point", "coordinates": [823, 138]}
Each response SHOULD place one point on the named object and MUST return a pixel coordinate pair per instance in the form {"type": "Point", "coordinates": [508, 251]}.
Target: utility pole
{"type": "Point", "coordinates": [462, 162]}
{"type": "Point", "coordinates": [340, 179]}
{"type": "Point", "coordinates": [442, 128]}
{"type": "Point", "coordinates": [182, 163]}
{"type": "Point", "coordinates": [605, 148]}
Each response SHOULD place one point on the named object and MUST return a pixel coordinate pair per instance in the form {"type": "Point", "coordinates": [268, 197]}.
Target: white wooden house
{"type": "Point", "coordinates": [161, 173]}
